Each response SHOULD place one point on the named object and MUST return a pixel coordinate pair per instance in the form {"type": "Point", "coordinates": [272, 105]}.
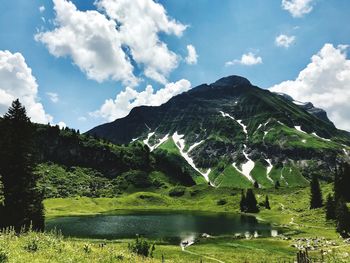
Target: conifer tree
{"type": "Point", "coordinates": [277, 185]}
{"type": "Point", "coordinates": [316, 195]}
{"type": "Point", "coordinates": [252, 204]}
{"type": "Point", "coordinates": [267, 203]}
{"type": "Point", "coordinates": [22, 206]}
{"type": "Point", "coordinates": [256, 184]}
{"type": "Point", "coordinates": [343, 218]}
{"type": "Point", "coordinates": [342, 182]}
{"type": "Point", "coordinates": [330, 207]}
{"type": "Point", "coordinates": [243, 203]}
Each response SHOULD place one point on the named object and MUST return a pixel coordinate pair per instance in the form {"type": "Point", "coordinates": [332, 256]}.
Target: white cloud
{"type": "Point", "coordinates": [82, 119]}
{"type": "Point", "coordinates": [140, 23]}
{"type": "Point", "coordinates": [102, 45]}
{"type": "Point", "coordinates": [53, 96]}
{"type": "Point", "coordinates": [62, 125]}
{"type": "Point", "coordinates": [42, 9]}
{"type": "Point", "coordinates": [298, 8]}
{"type": "Point", "coordinates": [284, 41]}
{"type": "Point", "coordinates": [129, 99]}
{"type": "Point", "coordinates": [17, 81]}
{"type": "Point", "coordinates": [325, 82]}
{"type": "Point", "coordinates": [91, 40]}
{"type": "Point", "coordinates": [248, 59]}
{"type": "Point", "coordinates": [192, 56]}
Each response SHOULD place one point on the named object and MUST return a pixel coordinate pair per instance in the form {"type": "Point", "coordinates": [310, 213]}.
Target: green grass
{"type": "Point", "coordinates": [230, 177]}
{"type": "Point", "coordinates": [289, 211]}
{"type": "Point", "coordinates": [259, 173]}
{"type": "Point", "coordinates": [290, 137]}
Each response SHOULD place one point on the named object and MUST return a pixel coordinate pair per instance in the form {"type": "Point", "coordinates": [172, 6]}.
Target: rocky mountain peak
{"type": "Point", "coordinates": [233, 80]}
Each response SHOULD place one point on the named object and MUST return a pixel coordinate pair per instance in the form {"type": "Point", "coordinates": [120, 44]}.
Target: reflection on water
{"type": "Point", "coordinates": [172, 226]}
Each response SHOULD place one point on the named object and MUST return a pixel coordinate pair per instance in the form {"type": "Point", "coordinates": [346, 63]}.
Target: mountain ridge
{"type": "Point", "coordinates": [240, 127]}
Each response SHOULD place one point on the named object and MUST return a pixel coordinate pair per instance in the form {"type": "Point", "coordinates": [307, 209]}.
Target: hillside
{"type": "Point", "coordinates": [234, 133]}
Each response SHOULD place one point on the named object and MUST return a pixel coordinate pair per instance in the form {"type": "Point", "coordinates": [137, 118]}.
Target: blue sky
{"type": "Point", "coordinates": [220, 32]}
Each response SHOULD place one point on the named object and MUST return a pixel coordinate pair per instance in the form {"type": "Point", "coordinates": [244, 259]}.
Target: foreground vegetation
{"type": "Point", "coordinates": [289, 211]}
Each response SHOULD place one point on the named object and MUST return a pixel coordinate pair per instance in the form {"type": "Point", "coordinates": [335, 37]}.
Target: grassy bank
{"type": "Point", "coordinates": [289, 211]}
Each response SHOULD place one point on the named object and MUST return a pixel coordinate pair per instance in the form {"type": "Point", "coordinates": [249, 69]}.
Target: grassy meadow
{"type": "Point", "coordinates": [289, 211]}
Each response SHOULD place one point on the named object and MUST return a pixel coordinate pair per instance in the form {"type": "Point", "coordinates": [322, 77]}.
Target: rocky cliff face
{"type": "Point", "coordinates": [234, 133]}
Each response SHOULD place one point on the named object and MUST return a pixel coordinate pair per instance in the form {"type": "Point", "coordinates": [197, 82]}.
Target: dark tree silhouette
{"type": "Point", "coordinates": [22, 206]}
{"type": "Point", "coordinates": [256, 184]}
{"type": "Point", "coordinates": [343, 218]}
{"type": "Point", "coordinates": [267, 203]}
{"type": "Point", "coordinates": [277, 185]}
{"type": "Point", "coordinates": [316, 195]}
{"type": "Point", "coordinates": [330, 207]}
{"type": "Point", "coordinates": [252, 204]}
{"type": "Point", "coordinates": [243, 203]}
{"type": "Point", "coordinates": [342, 182]}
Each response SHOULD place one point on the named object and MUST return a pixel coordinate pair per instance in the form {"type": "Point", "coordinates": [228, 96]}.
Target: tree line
{"type": "Point", "coordinates": [335, 207]}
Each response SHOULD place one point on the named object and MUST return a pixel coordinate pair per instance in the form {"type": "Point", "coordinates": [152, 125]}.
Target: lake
{"type": "Point", "coordinates": [167, 226]}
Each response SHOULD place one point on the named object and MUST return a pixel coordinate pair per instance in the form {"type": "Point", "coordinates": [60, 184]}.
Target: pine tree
{"type": "Point", "coordinates": [342, 182]}
{"type": "Point", "coordinates": [252, 204]}
{"type": "Point", "coordinates": [22, 201]}
{"type": "Point", "coordinates": [243, 203]}
{"type": "Point", "coordinates": [256, 184]}
{"type": "Point", "coordinates": [346, 181]}
{"type": "Point", "coordinates": [343, 218]}
{"type": "Point", "coordinates": [330, 207]}
{"type": "Point", "coordinates": [316, 195]}
{"type": "Point", "coordinates": [267, 203]}
{"type": "Point", "coordinates": [277, 185]}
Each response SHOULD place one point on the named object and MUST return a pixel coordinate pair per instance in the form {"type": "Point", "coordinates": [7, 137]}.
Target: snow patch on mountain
{"type": "Point", "coordinates": [248, 166]}
{"type": "Point", "coordinates": [180, 144]}
{"type": "Point", "coordinates": [152, 148]}
{"type": "Point", "coordinates": [146, 141]}
{"type": "Point", "coordinates": [298, 128]}
{"type": "Point", "coordinates": [194, 146]}
{"type": "Point", "coordinates": [314, 134]}
{"type": "Point", "coordinates": [268, 170]}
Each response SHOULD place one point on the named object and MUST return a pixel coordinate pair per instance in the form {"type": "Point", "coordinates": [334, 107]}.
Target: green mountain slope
{"type": "Point", "coordinates": [234, 133]}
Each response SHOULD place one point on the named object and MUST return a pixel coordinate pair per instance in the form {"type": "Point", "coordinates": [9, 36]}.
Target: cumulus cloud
{"type": "Point", "coordinates": [248, 59]}
{"type": "Point", "coordinates": [192, 57]}
{"type": "Point", "coordinates": [91, 40]}
{"type": "Point", "coordinates": [284, 41]}
{"type": "Point", "coordinates": [325, 82]}
{"type": "Point", "coordinates": [42, 9]}
{"type": "Point", "coordinates": [140, 23]}
{"type": "Point", "coordinates": [17, 81]}
{"type": "Point", "coordinates": [298, 8]}
{"type": "Point", "coordinates": [103, 43]}
{"type": "Point", "coordinates": [130, 98]}
{"type": "Point", "coordinates": [62, 125]}
{"type": "Point", "coordinates": [53, 96]}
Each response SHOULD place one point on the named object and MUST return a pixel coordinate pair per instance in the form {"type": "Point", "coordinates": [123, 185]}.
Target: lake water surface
{"type": "Point", "coordinates": [159, 225]}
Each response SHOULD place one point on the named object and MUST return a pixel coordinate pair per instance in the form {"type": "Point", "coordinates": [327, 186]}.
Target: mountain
{"type": "Point", "coordinates": [309, 107]}
{"type": "Point", "coordinates": [233, 133]}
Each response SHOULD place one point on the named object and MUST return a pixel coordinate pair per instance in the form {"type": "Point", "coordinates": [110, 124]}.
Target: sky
{"type": "Point", "coordinates": [81, 63]}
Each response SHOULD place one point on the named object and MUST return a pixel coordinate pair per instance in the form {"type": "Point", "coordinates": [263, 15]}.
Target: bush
{"type": "Point", "coordinates": [221, 202]}
{"type": "Point", "coordinates": [142, 247]}
{"type": "Point", "coordinates": [177, 191]}
{"type": "Point", "coordinates": [3, 256]}
{"type": "Point", "coordinates": [32, 244]}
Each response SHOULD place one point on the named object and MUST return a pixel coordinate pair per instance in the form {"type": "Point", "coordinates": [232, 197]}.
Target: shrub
{"type": "Point", "coordinates": [142, 247]}
{"type": "Point", "coordinates": [87, 248]}
{"type": "Point", "coordinates": [3, 256]}
{"type": "Point", "coordinates": [221, 202]}
{"type": "Point", "coordinates": [177, 191]}
{"type": "Point", "coordinates": [32, 244]}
